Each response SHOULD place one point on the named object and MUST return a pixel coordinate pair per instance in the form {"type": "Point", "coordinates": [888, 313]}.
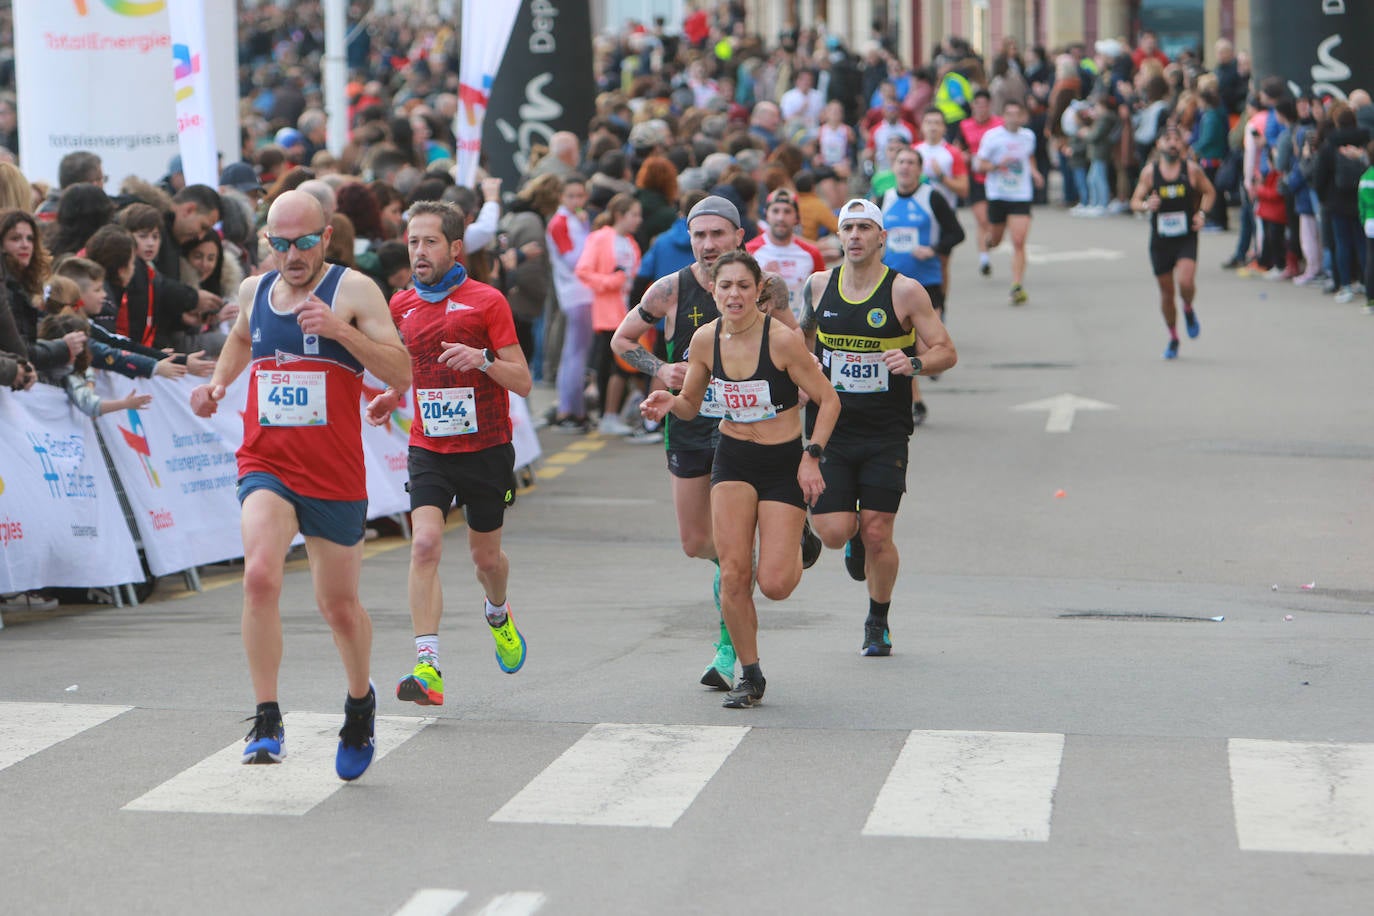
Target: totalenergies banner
{"type": "Point", "coordinates": [544, 84]}
{"type": "Point", "coordinates": [60, 520]}
{"type": "Point", "coordinates": [1317, 45]}
{"type": "Point", "coordinates": [486, 30]}
{"type": "Point", "coordinates": [94, 75]}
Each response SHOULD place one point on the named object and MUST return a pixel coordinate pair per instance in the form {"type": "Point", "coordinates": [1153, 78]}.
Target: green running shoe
{"type": "Point", "coordinates": [424, 686]}
{"type": "Point", "coordinates": [720, 674]}
{"type": "Point", "coordinates": [510, 645]}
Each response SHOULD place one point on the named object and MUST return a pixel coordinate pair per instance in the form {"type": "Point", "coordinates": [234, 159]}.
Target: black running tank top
{"type": "Point", "coordinates": [781, 388]}
{"type": "Point", "coordinates": [695, 307]}
{"type": "Point", "coordinates": [1174, 218]}
{"type": "Point", "coordinates": [849, 337]}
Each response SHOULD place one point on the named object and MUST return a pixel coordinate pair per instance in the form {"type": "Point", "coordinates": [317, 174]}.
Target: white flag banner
{"type": "Point", "coordinates": [486, 32]}
{"type": "Point", "coordinates": [87, 72]}
{"type": "Point", "coordinates": [178, 471]}
{"type": "Point", "coordinates": [60, 520]}
{"type": "Point", "coordinates": [194, 100]}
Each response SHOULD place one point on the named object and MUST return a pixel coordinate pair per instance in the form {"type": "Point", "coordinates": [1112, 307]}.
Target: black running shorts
{"type": "Point", "coordinates": [770, 469]}
{"type": "Point", "coordinates": [870, 474]}
{"type": "Point", "coordinates": [999, 210]}
{"type": "Point", "coordinates": [481, 482]}
{"type": "Point", "coordinates": [1166, 253]}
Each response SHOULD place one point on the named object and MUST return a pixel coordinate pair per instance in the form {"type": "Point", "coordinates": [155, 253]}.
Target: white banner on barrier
{"type": "Point", "coordinates": [60, 520]}
{"type": "Point", "coordinates": [178, 472]}
{"type": "Point", "coordinates": [88, 74]}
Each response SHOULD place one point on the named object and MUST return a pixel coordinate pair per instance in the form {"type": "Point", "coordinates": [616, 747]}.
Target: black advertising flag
{"type": "Point", "coordinates": [545, 84]}
{"type": "Point", "coordinates": [1318, 45]}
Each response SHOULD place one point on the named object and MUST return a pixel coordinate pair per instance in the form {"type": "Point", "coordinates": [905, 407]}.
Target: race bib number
{"type": "Point", "coordinates": [712, 405]}
{"type": "Point", "coordinates": [747, 402]}
{"type": "Point", "coordinates": [1009, 179]}
{"type": "Point", "coordinates": [292, 399]}
{"type": "Point", "coordinates": [1172, 225]}
{"type": "Point", "coordinates": [858, 373]}
{"type": "Point", "coordinates": [447, 411]}
{"type": "Point", "coordinates": [903, 239]}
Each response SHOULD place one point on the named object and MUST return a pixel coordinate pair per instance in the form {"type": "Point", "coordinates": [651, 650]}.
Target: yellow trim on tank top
{"type": "Point", "coordinates": [839, 287]}
{"type": "Point", "coordinates": [855, 343]}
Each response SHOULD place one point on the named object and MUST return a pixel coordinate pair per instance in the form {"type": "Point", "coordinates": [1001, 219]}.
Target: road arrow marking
{"type": "Point", "coordinates": [1061, 409]}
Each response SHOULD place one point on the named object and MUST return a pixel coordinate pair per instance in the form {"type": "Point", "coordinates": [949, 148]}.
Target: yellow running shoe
{"type": "Point", "coordinates": [424, 685]}
{"type": "Point", "coordinates": [510, 645]}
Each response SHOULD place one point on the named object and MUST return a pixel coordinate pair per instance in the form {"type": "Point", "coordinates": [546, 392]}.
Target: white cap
{"type": "Point", "coordinates": [859, 208]}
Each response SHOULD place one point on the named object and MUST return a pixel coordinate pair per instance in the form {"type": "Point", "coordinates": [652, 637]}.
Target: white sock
{"type": "Point", "coordinates": [496, 616]}
{"type": "Point", "coordinates": [983, 258]}
{"type": "Point", "coordinates": [427, 647]}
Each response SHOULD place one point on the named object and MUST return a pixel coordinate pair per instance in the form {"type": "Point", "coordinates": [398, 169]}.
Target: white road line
{"type": "Point", "coordinates": [1293, 796]}
{"type": "Point", "coordinates": [970, 785]}
{"type": "Point", "coordinates": [625, 776]}
{"type": "Point", "coordinates": [221, 784]}
{"type": "Point", "coordinates": [432, 901]}
{"type": "Point", "coordinates": [520, 903]}
{"type": "Point", "coordinates": [27, 728]}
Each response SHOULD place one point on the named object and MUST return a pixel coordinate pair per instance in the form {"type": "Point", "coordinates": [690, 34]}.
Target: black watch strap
{"type": "Point", "coordinates": [815, 450]}
{"type": "Point", "coordinates": [916, 365]}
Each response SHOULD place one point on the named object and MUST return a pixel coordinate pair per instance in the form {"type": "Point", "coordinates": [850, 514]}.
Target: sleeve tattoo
{"type": "Point", "coordinates": [643, 360]}
{"type": "Point", "coordinates": [808, 314]}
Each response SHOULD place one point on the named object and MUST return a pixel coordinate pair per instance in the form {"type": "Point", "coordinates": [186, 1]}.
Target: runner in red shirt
{"type": "Point", "coordinates": [309, 330]}
{"type": "Point", "coordinates": [466, 359]}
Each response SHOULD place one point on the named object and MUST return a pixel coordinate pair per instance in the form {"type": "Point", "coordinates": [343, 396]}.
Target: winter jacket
{"type": "Point", "coordinates": [597, 270]}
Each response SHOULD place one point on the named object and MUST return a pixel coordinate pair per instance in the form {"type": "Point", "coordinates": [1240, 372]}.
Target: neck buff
{"type": "Point", "coordinates": [447, 284]}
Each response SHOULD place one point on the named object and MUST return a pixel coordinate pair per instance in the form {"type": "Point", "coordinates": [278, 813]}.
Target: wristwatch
{"type": "Point", "coordinates": [815, 450]}
{"type": "Point", "coordinates": [488, 357]}
{"type": "Point", "coordinates": [916, 365]}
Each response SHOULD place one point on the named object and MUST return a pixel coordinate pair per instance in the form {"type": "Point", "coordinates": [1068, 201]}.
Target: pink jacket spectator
{"type": "Point", "coordinates": [597, 271]}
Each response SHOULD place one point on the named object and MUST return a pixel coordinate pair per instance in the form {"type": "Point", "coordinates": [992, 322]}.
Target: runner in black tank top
{"type": "Point", "coordinates": [760, 481]}
{"type": "Point", "coordinates": [1176, 193]}
{"type": "Point", "coordinates": [682, 302]}
{"type": "Point", "coordinates": [867, 324]}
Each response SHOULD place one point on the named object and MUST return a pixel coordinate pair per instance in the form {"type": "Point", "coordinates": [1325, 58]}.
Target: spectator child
{"type": "Point", "coordinates": [76, 377]}
{"type": "Point", "coordinates": [1273, 214]}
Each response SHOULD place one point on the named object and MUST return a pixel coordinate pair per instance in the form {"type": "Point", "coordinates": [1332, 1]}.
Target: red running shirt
{"type": "Point", "coordinates": [456, 412]}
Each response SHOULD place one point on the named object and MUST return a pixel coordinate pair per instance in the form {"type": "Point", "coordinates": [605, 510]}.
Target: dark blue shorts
{"type": "Point", "coordinates": [339, 520]}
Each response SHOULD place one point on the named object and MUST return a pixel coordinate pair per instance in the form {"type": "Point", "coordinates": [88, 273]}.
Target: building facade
{"type": "Point", "coordinates": [913, 27]}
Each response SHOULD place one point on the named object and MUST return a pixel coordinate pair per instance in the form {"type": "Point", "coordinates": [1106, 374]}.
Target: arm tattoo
{"type": "Point", "coordinates": [659, 299]}
{"type": "Point", "coordinates": [808, 315]}
{"type": "Point", "coordinates": [643, 360]}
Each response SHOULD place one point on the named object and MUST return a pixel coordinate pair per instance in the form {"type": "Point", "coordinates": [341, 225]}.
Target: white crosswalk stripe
{"type": "Point", "coordinates": [437, 901]}
{"type": "Point", "coordinates": [1284, 796]}
{"type": "Point", "coordinates": [28, 728]}
{"type": "Point", "coordinates": [970, 785]}
{"type": "Point", "coordinates": [625, 776]}
{"type": "Point", "coordinates": [1293, 796]}
{"type": "Point", "coordinates": [221, 784]}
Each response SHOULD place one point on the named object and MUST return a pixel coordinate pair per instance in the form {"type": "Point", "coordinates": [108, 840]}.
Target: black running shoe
{"type": "Point", "coordinates": [985, 268]}
{"type": "Point", "coordinates": [854, 555]}
{"type": "Point", "coordinates": [918, 412]}
{"type": "Point", "coordinates": [811, 545]}
{"type": "Point", "coordinates": [877, 640]}
{"type": "Point", "coordinates": [747, 693]}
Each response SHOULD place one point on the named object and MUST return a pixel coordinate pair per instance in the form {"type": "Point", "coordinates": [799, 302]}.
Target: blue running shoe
{"type": "Point", "coordinates": [1190, 319]}
{"type": "Point", "coordinates": [266, 740]}
{"type": "Point", "coordinates": [356, 744]}
{"type": "Point", "coordinates": [1171, 351]}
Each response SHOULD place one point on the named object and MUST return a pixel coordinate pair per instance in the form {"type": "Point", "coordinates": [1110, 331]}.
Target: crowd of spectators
{"type": "Point", "coordinates": [705, 106]}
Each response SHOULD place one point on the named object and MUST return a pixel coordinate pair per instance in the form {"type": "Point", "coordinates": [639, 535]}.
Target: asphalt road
{"type": "Point", "coordinates": [1063, 727]}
